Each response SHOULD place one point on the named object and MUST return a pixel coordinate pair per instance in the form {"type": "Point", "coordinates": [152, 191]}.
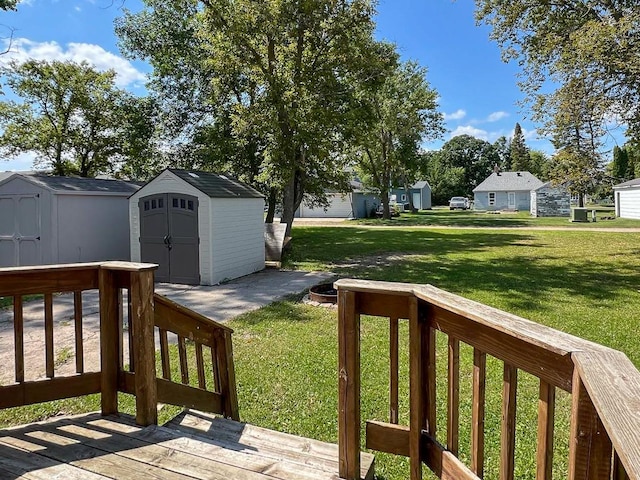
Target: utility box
{"type": "Point", "coordinates": [579, 214]}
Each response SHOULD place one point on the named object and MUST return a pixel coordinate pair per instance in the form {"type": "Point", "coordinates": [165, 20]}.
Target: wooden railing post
{"type": "Point", "coordinates": [141, 295]}
{"type": "Point", "coordinates": [418, 391]}
{"type": "Point", "coordinates": [110, 331]}
{"type": "Point", "coordinates": [226, 375]}
{"type": "Point", "coordinates": [348, 386]}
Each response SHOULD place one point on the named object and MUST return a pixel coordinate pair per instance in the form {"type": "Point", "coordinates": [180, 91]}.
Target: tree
{"type": "Point", "coordinates": [619, 168]}
{"type": "Point", "coordinates": [445, 180]}
{"type": "Point", "coordinates": [519, 153]}
{"type": "Point", "coordinates": [8, 4]}
{"type": "Point", "coordinates": [285, 69]}
{"type": "Point", "coordinates": [403, 113]}
{"type": "Point", "coordinates": [540, 164]}
{"type": "Point", "coordinates": [70, 116]}
{"type": "Point", "coordinates": [576, 129]}
{"type": "Point", "coordinates": [502, 147]}
{"type": "Point", "coordinates": [477, 158]}
{"type": "Point", "coordinates": [566, 39]}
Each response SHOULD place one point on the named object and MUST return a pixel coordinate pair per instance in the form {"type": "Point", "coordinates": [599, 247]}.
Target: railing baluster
{"type": "Point", "coordinates": [429, 376]}
{"type": "Point", "coordinates": [77, 318]}
{"type": "Point", "coordinates": [590, 448]}
{"type": "Point", "coordinates": [18, 335]}
{"type": "Point", "coordinates": [546, 411]}
{"type": "Point", "coordinates": [453, 408]}
{"type": "Point", "coordinates": [184, 366]}
{"type": "Point", "coordinates": [216, 370]}
{"type": "Point", "coordinates": [164, 354]}
{"type": "Point", "coordinates": [48, 334]}
{"type": "Point", "coordinates": [419, 346]}
{"type": "Point", "coordinates": [477, 412]}
{"type": "Point", "coordinates": [393, 370]}
{"type": "Point", "coordinates": [200, 367]}
{"type": "Point", "coordinates": [508, 427]}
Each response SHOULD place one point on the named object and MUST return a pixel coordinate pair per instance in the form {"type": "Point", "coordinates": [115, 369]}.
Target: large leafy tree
{"type": "Point", "coordinates": [568, 39]}
{"type": "Point", "coordinates": [403, 112]}
{"type": "Point", "coordinates": [8, 4]}
{"type": "Point", "coordinates": [69, 115]}
{"type": "Point", "coordinates": [281, 72]}
{"type": "Point", "coordinates": [446, 181]}
{"type": "Point", "coordinates": [476, 157]}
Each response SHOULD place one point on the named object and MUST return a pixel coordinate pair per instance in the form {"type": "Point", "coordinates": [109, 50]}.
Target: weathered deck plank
{"type": "Point", "coordinates": [193, 445]}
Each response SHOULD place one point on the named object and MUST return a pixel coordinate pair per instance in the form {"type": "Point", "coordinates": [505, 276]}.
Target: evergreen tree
{"type": "Point", "coordinates": [620, 166]}
{"type": "Point", "coordinates": [520, 161]}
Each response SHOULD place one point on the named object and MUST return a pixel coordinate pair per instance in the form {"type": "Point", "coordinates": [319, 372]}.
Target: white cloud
{"type": "Point", "coordinates": [457, 115]}
{"type": "Point", "coordinates": [469, 130]}
{"type": "Point", "coordinates": [495, 116]}
{"type": "Point", "coordinates": [23, 49]}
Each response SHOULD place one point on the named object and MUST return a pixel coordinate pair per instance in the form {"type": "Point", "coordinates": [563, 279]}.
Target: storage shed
{"type": "Point", "coordinates": [420, 195]}
{"type": "Point", "coordinates": [358, 203]}
{"type": "Point", "coordinates": [627, 199]}
{"type": "Point", "coordinates": [199, 227]}
{"type": "Point", "coordinates": [550, 201]}
{"type": "Point", "coordinates": [48, 220]}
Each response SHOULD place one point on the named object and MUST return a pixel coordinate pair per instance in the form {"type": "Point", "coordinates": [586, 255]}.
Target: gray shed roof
{"type": "Point", "coordinates": [631, 183]}
{"type": "Point", "coordinates": [79, 184]}
{"type": "Point", "coordinates": [420, 185]}
{"type": "Point", "coordinates": [509, 181]}
{"type": "Point", "coordinates": [216, 186]}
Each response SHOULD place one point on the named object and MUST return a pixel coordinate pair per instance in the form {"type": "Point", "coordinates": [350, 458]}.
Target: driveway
{"type": "Point", "coordinates": [218, 302]}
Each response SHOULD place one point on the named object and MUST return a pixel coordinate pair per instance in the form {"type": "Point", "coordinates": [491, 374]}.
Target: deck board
{"type": "Point", "coordinates": [193, 445]}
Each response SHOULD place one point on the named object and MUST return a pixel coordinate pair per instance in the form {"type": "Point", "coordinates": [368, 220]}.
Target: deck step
{"type": "Point", "coordinates": [295, 454]}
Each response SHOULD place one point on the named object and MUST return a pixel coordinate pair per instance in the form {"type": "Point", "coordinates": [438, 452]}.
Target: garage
{"type": "Point", "coordinates": [51, 220]}
{"type": "Point", "coordinates": [199, 227]}
{"type": "Point", "coordinates": [627, 199]}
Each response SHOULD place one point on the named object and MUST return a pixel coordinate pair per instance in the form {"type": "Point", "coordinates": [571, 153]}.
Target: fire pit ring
{"type": "Point", "coordinates": [323, 293]}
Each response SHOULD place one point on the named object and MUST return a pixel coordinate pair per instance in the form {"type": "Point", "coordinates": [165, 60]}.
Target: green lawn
{"type": "Point", "coordinates": [583, 282]}
{"type": "Point", "coordinates": [469, 218]}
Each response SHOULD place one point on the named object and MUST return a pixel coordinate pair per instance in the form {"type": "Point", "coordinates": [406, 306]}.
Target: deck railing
{"type": "Point", "coordinates": [151, 320]}
{"type": "Point", "coordinates": [604, 437]}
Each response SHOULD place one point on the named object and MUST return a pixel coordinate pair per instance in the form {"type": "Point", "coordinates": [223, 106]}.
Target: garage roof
{"type": "Point", "coordinates": [631, 183]}
{"type": "Point", "coordinates": [215, 185]}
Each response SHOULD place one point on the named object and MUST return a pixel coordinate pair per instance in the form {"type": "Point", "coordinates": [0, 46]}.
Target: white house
{"type": "Point", "coordinates": [627, 199]}
{"type": "Point", "coordinates": [48, 220]}
{"type": "Point", "coordinates": [505, 191]}
{"type": "Point", "coordinates": [199, 227]}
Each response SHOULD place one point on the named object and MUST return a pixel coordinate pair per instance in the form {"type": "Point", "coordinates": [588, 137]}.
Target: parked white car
{"type": "Point", "coordinates": [459, 202]}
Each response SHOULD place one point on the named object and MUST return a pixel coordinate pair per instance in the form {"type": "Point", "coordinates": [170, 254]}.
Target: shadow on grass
{"type": "Point", "coordinates": [456, 218]}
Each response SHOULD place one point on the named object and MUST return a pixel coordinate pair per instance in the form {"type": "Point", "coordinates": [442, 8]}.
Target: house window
{"type": "Point", "coordinates": [492, 198]}
{"type": "Point", "coordinates": [403, 198]}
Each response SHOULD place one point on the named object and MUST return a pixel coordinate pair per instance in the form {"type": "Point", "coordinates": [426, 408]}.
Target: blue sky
{"type": "Point", "coordinates": [478, 92]}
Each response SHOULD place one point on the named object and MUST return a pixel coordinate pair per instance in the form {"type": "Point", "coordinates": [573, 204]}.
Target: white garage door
{"type": "Point", "coordinates": [340, 207]}
{"type": "Point", "coordinates": [20, 230]}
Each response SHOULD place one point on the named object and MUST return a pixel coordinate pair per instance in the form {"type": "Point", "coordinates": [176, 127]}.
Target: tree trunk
{"type": "Point", "coordinates": [271, 209]}
{"type": "Point", "coordinates": [291, 199]}
{"type": "Point", "coordinates": [384, 198]}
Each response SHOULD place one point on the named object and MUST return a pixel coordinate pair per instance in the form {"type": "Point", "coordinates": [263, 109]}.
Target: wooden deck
{"type": "Point", "coordinates": [192, 445]}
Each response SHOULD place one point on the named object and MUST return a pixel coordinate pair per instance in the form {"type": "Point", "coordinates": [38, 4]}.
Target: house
{"type": "Point", "coordinates": [50, 220]}
{"type": "Point", "coordinates": [199, 227]}
{"type": "Point", "coordinates": [627, 199]}
{"type": "Point", "coordinates": [506, 191]}
{"type": "Point", "coordinates": [420, 193]}
{"type": "Point", "coordinates": [355, 204]}
{"type": "Point", "coordinates": [550, 201]}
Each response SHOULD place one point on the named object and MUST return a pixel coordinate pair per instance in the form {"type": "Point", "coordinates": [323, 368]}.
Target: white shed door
{"type": "Point", "coordinates": [20, 230]}
{"type": "Point", "coordinates": [417, 203]}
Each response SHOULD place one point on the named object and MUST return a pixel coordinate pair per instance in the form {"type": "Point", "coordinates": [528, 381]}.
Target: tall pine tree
{"type": "Point", "coordinates": [520, 160]}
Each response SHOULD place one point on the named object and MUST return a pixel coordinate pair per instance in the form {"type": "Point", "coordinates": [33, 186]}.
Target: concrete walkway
{"type": "Point", "coordinates": [218, 302]}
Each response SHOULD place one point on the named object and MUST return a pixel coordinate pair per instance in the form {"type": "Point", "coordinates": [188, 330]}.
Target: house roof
{"type": "Point", "coordinates": [631, 183]}
{"type": "Point", "coordinates": [215, 185]}
{"type": "Point", "coordinates": [509, 181]}
{"type": "Point", "coordinates": [79, 184]}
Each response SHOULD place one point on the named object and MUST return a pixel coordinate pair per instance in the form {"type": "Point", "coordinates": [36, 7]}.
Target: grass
{"type": "Point", "coordinates": [583, 282]}
{"type": "Point", "coordinates": [443, 217]}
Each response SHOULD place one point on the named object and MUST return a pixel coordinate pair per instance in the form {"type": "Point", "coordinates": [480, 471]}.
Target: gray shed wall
{"type": "Point", "coordinates": [550, 202]}
{"type": "Point", "coordinates": [92, 228]}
